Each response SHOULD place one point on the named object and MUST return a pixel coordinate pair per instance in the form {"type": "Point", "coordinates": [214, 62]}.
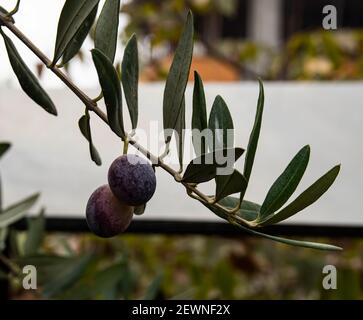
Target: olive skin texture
{"type": "Point", "coordinates": [106, 215]}
{"type": "Point", "coordinates": [132, 179]}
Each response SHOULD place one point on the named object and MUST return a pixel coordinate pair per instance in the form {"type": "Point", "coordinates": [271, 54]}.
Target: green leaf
{"type": "Point", "coordinates": [107, 281]}
{"type": "Point", "coordinates": [229, 184]}
{"type": "Point", "coordinates": [57, 274]}
{"type": "Point", "coordinates": [4, 147]}
{"type": "Point", "coordinates": [111, 89]}
{"type": "Point", "coordinates": [199, 117]}
{"type": "Point", "coordinates": [178, 77]}
{"type": "Point", "coordinates": [248, 211]}
{"type": "Point", "coordinates": [77, 41]}
{"type": "Point", "coordinates": [73, 16]}
{"type": "Point", "coordinates": [130, 78]}
{"type": "Point", "coordinates": [221, 124]}
{"type": "Point", "coordinates": [27, 79]}
{"type": "Point", "coordinates": [17, 211]}
{"type": "Point", "coordinates": [139, 210]}
{"type": "Point", "coordinates": [286, 183]}
{"type": "Point", "coordinates": [107, 28]}
{"type": "Point", "coordinates": [3, 235]}
{"type": "Point", "coordinates": [254, 136]}
{"type": "Point", "coordinates": [204, 167]}
{"type": "Point", "coordinates": [129, 282]}
{"type": "Point", "coordinates": [180, 130]}
{"type": "Point", "coordinates": [84, 126]}
{"type": "Point", "coordinates": [35, 234]}
{"type": "Point", "coordinates": [154, 288]}
{"type": "Point", "coordinates": [305, 199]}
{"type": "Point", "coordinates": [298, 243]}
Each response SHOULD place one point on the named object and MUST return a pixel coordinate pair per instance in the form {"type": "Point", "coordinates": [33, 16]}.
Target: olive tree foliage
{"type": "Point", "coordinates": [75, 22]}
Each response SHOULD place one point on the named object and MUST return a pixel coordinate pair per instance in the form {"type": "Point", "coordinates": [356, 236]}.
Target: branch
{"type": "Point", "coordinates": [91, 105]}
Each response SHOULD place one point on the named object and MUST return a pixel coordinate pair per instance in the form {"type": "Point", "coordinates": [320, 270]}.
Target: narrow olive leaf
{"type": "Point", "coordinates": [107, 28]}
{"type": "Point", "coordinates": [3, 236]}
{"type": "Point", "coordinates": [199, 173]}
{"type": "Point", "coordinates": [221, 124]}
{"type": "Point", "coordinates": [4, 147]}
{"type": "Point", "coordinates": [106, 282]}
{"type": "Point", "coordinates": [306, 198]}
{"type": "Point", "coordinates": [180, 133]}
{"type": "Point", "coordinates": [286, 183]}
{"type": "Point", "coordinates": [27, 79]}
{"type": "Point", "coordinates": [35, 234]}
{"type": "Point", "coordinates": [297, 243]}
{"type": "Point", "coordinates": [199, 116]}
{"type": "Point", "coordinates": [154, 288]}
{"type": "Point", "coordinates": [17, 211]}
{"type": "Point", "coordinates": [84, 126]}
{"type": "Point", "coordinates": [254, 136]}
{"type": "Point", "coordinates": [15, 245]}
{"type": "Point", "coordinates": [73, 16]}
{"type": "Point", "coordinates": [65, 275]}
{"type": "Point", "coordinates": [128, 282]}
{"type": "Point", "coordinates": [204, 167]}
{"type": "Point", "coordinates": [229, 184]}
{"type": "Point", "coordinates": [248, 211]}
{"type": "Point", "coordinates": [130, 78]}
{"type": "Point", "coordinates": [111, 89]}
{"type": "Point", "coordinates": [178, 77]}
{"type": "Point", "coordinates": [77, 41]}
{"type": "Point", "coordinates": [56, 273]}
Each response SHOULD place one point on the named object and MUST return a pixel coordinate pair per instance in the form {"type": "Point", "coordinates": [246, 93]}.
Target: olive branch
{"type": "Point", "coordinates": [75, 22]}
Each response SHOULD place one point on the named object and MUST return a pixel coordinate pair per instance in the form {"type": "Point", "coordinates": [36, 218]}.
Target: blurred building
{"type": "Point", "coordinates": [275, 39]}
{"type": "Point", "coordinates": [274, 21]}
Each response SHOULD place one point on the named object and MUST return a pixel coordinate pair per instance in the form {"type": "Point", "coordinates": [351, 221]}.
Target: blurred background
{"type": "Point", "coordinates": [310, 98]}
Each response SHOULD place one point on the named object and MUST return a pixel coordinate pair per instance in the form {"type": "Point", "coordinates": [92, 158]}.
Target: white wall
{"type": "Point", "coordinates": [50, 155]}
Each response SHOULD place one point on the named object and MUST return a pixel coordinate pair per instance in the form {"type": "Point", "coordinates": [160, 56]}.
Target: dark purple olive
{"type": "Point", "coordinates": [132, 179]}
{"type": "Point", "coordinates": [106, 215]}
